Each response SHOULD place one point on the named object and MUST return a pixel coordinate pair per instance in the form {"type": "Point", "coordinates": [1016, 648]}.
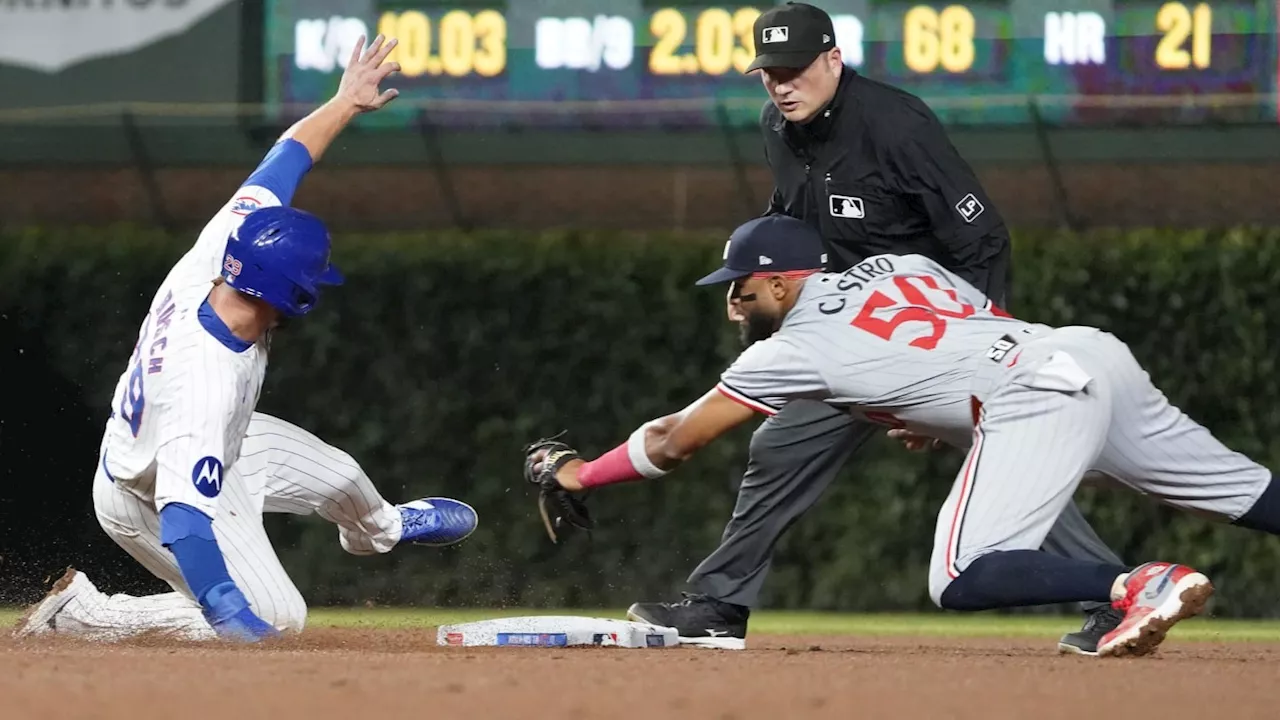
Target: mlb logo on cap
{"type": "Point", "coordinates": [774, 34]}
{"type": "Point", "coordinates": [773, 244]}
{"type": "Point", "coordinates": [791, 36]}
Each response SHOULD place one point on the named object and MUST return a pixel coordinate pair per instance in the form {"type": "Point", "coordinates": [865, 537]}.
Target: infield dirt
{"type": "Point", "coordinates": [378, 674]}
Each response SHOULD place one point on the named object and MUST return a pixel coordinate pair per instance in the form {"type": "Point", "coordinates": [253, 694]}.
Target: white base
{"type": "Point", "coordinates": [557, 631]}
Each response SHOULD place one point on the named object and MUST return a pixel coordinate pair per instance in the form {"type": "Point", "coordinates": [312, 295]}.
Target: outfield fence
{"type": "Point", "coordinates": [444, 353]}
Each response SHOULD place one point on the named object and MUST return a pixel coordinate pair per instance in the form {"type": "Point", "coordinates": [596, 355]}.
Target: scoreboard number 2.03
{"type": "Point", "coordinates": [723, 40]}
{"type": "Point", "coordinates": [720, 41]}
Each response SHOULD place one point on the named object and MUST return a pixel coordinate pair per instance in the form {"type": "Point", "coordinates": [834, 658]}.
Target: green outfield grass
{"type": "Point", "coordinates": [937, 624]}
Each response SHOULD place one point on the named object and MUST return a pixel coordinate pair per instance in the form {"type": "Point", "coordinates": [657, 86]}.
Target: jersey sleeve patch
{"type": "Point", "coordinates": [249, 198]}
{"type": "Point", "coordinates": [206, 476]}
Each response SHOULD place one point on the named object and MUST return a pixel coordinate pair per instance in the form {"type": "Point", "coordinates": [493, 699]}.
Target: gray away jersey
{"type": "Point", "coordinates": [897, 340]}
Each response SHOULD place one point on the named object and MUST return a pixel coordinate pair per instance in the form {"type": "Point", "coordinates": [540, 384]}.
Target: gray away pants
{"type": "Point", "coordinates": [794, 456]}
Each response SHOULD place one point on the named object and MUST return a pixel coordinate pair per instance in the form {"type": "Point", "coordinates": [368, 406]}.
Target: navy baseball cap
{"type": "Point", "coordinates": [773, 243]}
{"type": "Point", "coordinates": [791, 36]}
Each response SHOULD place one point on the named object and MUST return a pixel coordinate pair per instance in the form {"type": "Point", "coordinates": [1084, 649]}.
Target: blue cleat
{"type": "Point", "coordinates": [437, 521]}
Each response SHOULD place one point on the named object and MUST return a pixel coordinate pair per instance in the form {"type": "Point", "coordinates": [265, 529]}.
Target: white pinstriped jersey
{"type": "Point", "coordinates": [183, 403]}
{"type": "Point", "coordinates": [896, 339]}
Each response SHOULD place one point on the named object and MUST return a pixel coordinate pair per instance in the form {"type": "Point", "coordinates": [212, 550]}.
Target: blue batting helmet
{"type": "Point", "coordinates": [280, 254]}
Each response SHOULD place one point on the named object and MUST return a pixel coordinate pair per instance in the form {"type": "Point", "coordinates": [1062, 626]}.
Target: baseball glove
{"type": "Point", "coordinates": [563, 514]}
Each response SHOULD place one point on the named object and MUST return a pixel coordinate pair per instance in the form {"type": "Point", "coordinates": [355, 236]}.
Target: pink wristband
{"type": "Point", "coordinates": [629, 461]}
{"type": "Point", "coordinates": [612, 467]}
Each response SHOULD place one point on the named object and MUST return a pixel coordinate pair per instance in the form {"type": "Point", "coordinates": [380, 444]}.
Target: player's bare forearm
{"type": "Point", "coordinates": [318, 130]}
{"type": "Point", "coordinates": [673, 439]}
{"type": "Point", "coordinates": [662, 444]}
{"type": "Point", "coordinates": [357, 93]}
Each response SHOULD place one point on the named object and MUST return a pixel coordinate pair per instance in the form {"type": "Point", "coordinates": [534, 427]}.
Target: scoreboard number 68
{"type": "Point", "coordinates": [932, 38]}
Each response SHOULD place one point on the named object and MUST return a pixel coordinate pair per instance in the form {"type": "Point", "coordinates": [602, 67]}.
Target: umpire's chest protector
{"type": "Point", "coordinates": [836, 173]}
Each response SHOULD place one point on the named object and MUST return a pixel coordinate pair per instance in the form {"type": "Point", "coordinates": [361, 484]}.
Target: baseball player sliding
{"type": "Point", "coordinates": [187, 468]}
{"type": "Point", "coordinates": [902, 341]}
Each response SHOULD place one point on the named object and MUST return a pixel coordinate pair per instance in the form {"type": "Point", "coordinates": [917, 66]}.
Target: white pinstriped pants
{"type": "Point", "coordinates": [282, 468]}
{"type": "Point", "coordinates": [1035, 439]}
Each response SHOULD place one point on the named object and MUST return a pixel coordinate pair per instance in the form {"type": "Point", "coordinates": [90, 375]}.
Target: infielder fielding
{"type": "Point", "coordinates": [871, 168]}
{"type": "Point", "coordinates": [186, 467]}
{"type": "Point", "coordinates": [1035, 406]}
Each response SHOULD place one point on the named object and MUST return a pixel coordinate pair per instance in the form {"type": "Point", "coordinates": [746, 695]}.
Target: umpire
{"type": "Point", "coordinates": [872, 168]}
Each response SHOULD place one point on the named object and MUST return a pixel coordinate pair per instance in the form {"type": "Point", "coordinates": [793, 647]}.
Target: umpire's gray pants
{"type": "Point", "coordinates": [794, 456]}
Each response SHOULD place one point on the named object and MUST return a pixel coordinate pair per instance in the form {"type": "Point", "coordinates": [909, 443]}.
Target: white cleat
{"type": "Point", "coordinates": [39, 619]}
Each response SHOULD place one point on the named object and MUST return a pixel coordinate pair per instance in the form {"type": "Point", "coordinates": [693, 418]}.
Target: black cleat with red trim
{"type": "Point", "coordinates": [1085, 640]}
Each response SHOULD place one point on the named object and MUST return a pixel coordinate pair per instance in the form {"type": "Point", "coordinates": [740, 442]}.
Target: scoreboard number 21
{"type": "Point", "coordinates": [1178, 22]}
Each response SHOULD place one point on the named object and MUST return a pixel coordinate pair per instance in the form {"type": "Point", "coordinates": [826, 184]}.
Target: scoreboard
{"type": "Point", "coordinates": [974, 61]}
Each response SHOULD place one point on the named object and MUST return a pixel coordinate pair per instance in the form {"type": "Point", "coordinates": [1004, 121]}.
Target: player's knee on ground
{"type": "Point", "coordinates": [293, 617]}
{"type": "Point", "coordinates": [286, 612]}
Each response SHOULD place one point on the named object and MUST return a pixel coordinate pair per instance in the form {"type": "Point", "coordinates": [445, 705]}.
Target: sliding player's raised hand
{"type": "Point", "coordinates": [365, 72]}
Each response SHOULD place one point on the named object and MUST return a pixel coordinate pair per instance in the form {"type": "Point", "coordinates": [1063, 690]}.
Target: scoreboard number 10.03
{"type": "Point", "coordinates": [465, 44]}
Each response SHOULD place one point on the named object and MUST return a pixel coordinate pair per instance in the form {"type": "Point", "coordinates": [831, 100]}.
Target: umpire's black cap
{"type": "Point", "coordinates": [773, 243]}
{"type": "Point", "coordinates": [791, 36]}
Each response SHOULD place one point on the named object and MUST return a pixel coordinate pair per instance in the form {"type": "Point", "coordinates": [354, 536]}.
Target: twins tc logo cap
{"type": "Point", "coordinates": [773, 243]}
{"type": "Point", "coordinates": [791, 36]}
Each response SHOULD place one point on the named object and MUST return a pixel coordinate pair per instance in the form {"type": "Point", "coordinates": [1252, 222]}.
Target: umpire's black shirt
{"type": "Point", "coordinates": [876, 173]}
